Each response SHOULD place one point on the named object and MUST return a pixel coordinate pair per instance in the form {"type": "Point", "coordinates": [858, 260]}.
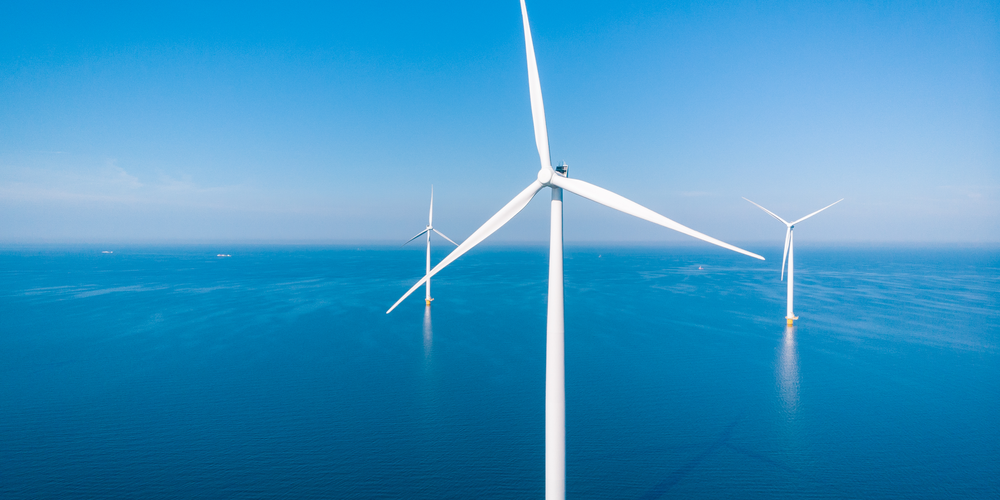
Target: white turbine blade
{"type": "Point", "coordinates": [818, 211]}
{"type": "Point", "coordinates": [443, 236]}
{"type": "Point", "coordinates": [430, 218]}
{"type": "Point", "coordinates": [618, 202]}
{"type": "Point", "coordinates": [784, 256]}
{"type": "Point", "coordinates": [535, 90]}
{"type": "Point", "coordinates": [415, 237]}
{"type": "Point", "coordinates": [499, 219]}
{"type": "Point", "coordinates": [769, 212]}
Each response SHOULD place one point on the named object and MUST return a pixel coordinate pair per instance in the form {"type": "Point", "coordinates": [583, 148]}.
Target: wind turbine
{"type": "Point", "coordinates": [427, 230]}
{"type": "Point", "coordinates": [557, 179]}
{"type": "Point", "coordinates": [789, 254]}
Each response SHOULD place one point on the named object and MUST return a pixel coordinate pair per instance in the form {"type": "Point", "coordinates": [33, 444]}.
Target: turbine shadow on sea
{"type": "Point", "coordinates": [787, 378]}
{"type": "Point", "coordinates": [679, 474]}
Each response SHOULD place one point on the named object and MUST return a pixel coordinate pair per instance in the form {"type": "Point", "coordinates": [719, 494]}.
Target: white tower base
{"type": "Point", "coordinates": [555, 373]}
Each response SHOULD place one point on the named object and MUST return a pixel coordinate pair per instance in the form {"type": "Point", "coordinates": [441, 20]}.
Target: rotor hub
{"type": "Point", "coordinates": [545, 176]}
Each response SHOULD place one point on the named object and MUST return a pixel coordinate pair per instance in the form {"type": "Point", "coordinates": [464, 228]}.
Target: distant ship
{"type": "Point", "coordinates": [107, 251]}
{"type": "Point", "coordinates": [223, 255]}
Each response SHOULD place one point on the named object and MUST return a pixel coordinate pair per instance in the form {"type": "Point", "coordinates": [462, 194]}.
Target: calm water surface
{"type": "Point", "coordinates": [173, 373]}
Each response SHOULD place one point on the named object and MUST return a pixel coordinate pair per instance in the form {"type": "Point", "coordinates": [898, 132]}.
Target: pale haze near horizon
{"type": "Point", "coordinates": [296, 124]}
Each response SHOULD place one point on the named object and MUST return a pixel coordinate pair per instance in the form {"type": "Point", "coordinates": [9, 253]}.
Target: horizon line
{"type": "Point", "coordinates": [394, 243]}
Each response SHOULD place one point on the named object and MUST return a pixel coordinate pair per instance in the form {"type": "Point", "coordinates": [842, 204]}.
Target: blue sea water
{"type": "Point", "coordinates": [172, 373]}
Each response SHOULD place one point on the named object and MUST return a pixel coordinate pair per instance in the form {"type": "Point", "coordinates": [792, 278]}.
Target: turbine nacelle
{"type": "Point", "coordinates": [562, 169]}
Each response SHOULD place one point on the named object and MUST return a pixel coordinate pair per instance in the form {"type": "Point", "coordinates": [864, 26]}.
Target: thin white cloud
{"type": "Point", "coordinates": [110, 184]}
{"type": "Point", "coordinates": [974, 193]}
{"type": "Point", "coordinates": [117, 176]}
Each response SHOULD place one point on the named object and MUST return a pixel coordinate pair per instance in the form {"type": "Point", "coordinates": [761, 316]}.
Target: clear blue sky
{"type": "Point", "coordinates": [280, 122]}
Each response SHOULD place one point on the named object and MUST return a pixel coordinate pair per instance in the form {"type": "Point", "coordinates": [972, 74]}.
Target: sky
{"type": "Point", "coordinates": [299, 123]}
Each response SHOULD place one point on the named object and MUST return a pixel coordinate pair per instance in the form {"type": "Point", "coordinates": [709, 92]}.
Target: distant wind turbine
{"type": "Point", "coordinates": [557, 179]}
{"type": "Point", "coordinates": [427, 230]}
{"type": "Point", "coordinates": [790, 253]}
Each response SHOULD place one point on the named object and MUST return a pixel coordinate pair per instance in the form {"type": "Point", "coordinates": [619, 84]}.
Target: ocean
{"type": "Point", "coordinates": [169, 372]}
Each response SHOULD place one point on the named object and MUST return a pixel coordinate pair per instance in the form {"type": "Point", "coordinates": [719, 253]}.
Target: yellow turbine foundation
{"type": "Point", "coordinates": [789, 319]}
{"type": "Point", "coordinates": [428, 301]}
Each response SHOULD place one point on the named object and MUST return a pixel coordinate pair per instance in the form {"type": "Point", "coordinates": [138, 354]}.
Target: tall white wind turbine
{"type": "Point", "coordinates": [556, 179]}
{"type": "Point", "coordinates": [427, 230]}
{"type": "Point", "coordinates": [789, 254]}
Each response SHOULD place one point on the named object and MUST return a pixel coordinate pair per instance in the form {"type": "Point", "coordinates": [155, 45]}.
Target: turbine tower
{"type": "Point", "coordinates": [427, 230]}
{"type": "Point", "coordinates": [556, 179]}
{"type": "Point", "coordinates": [789, 254]}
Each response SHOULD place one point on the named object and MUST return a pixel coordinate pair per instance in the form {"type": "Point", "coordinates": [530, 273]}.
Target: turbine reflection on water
{"type": "Point", "coordinates": [788, 372]}
{"type": "Point", "coordinates": [428, 333]}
